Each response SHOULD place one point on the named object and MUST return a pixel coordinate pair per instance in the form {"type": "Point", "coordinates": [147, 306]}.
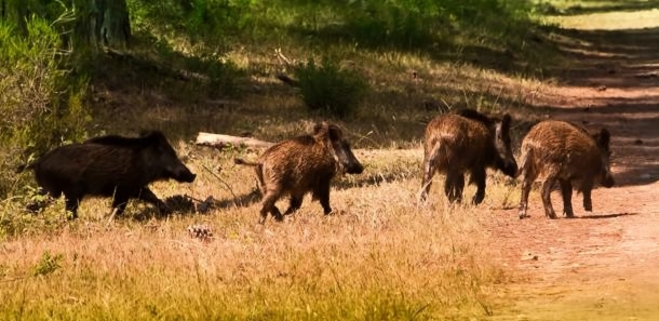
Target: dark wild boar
{"type": "Point", "coordinates": [110, 166]}
{"type": "Point", "coordinates": [466, 141]}
{"type": "Point", "coordinates": [566, 153]}
{"type": "Point", "coordinates": [300, 165]}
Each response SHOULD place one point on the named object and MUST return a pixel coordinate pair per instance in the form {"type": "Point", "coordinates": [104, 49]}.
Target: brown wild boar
{"type": "Point", "coordinates": [300, 165]}
{"type": "Point", "coordinates": [466, 141]}
{"type": "Point", "coordinates": [566, 153]}
{"type": "Point", "coordinates": [110, 166]}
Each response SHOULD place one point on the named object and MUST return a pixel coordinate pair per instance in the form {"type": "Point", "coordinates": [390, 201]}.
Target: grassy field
{"type": "Point", "coordinates": [381, 256]}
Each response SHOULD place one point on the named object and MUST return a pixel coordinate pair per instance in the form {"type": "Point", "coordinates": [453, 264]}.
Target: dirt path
{"type": "Point", "coordinates": [605, 264]}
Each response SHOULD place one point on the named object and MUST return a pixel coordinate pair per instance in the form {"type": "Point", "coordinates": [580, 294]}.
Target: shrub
{"type": "Point", "coordinates": [328, 88]}
{"type": "Point", "coordinates": [48, 264]}
{"type": "Point", "coordinates": [222, 75]}
{"type": "Point", "coordinates": [42, 102]}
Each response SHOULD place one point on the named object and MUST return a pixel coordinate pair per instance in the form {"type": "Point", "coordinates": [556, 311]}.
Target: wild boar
{"type": "Point", "coordinates": [466, 141]}
{"type": "Point", "coordinates": [300, 165]}
{"type": "Point", "coordinates": [111, 166]}
{"type": "Point", "coordinates": [562, 152]}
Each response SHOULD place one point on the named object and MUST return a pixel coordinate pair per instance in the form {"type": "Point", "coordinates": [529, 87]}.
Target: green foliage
{"type": "Point", "coordinates": [374, 24]}
{"type": "Point", "coordinates": [385, 24]}
{"type": "Point", "coordinates": [209, 23]}
{"type": "Point", "coordinates": [18, 214]}
{"type": "Point", "coordinates": [48, 264]}
{"type": "Point", "coordinates": [222, 75]}
{"type": "Point", "coordinates": [328, 88]}
{"type": "Point", "coordinates": [42, 104]}
{"type": "Point", "coordinates": [407, 25]}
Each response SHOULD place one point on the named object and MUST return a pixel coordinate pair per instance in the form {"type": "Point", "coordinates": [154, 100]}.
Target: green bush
{"type": "Point", "coordinates": [42, 102]}
{"type": "Point", "coordinates": [209, 23]}
{"type": "Point", "coordinates": [48, 264]}
{"type": "Point", "coordinates": [328, 88]}
{"type": "Point", "coordinates": [222, 75]}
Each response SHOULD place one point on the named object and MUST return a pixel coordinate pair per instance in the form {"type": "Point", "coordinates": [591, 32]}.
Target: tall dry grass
{"type": "Point", "coordinates": [382, 256]}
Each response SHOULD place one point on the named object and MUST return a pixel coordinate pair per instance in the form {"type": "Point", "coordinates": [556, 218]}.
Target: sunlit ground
{"type": "Point", "coordinates": [618, 20]}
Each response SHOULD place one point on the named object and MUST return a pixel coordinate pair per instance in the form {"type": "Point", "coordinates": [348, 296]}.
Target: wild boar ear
{"type": "Point", "coordinates": [505, 123]}
{"type": "Point", "coordinates": [335, 133]}
{"type": "Point", "coordinates": [604, 138]}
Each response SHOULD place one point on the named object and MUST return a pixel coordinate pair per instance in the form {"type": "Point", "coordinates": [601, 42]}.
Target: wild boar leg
{"type": "Point", "coordinates": [294, 205]}
{"type": "Point", "coordinates": [72, 203]}
{"type": "Point", "coordinates": [322, 193]}
{"type": "Point", "coordinates": [119, 204]}
{"type": "Point", "coordinates": [268, 206]}
{"type": "Point", "coordinates": [566, 191]}
{"type": "Point", "coordinates": [586, 188]}
{"type": "Point", "coordinates": [145, 194]}
{"type": "Point", "coordinates": [454, 186]}
{"type": "Point", "coordinates": [546, 196]}
{"type": "Point", "coordinates": [459, 187]}
{"type": "Point", "coordinates": [478, 177]}
{"type": "Point", "coordinates": [429, 170]}
{"type": "Point", "coordinates": [527, 183]}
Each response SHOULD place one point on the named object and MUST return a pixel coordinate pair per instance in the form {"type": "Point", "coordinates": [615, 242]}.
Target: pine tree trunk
{"type": "Point", "coordinates": [115, 29]}
{"type": "Point", "coordinates": [101, 23]}
{"type": "Point", "coordinates": [85, 30]}
{"type": "Point", "coordinates": [21, 10]}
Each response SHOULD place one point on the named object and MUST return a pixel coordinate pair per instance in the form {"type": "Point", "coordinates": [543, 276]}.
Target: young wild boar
{"type": "Point", "coordinates": [110, 166]}
{"type": "Point", "coordinates": [567, 153]}
{"type": "Point", "coordinates": [300, 165]}
{"type": "Point", "coordinates": [466, 141]}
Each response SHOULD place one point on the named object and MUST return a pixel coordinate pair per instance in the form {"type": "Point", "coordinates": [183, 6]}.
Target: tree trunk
{"type": "Point", "coordinates": [115, 29]}
{"type": "Point", "coordinates": [101, 23]}
{"type": "Point", "coordinates": [85, 35]}
{"type": "Point", "coordinates": [186, 5]}
{"type": "Point", "coordinates": [21, 10]}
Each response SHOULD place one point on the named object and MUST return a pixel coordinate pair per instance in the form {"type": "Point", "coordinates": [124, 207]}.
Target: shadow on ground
{"type": "Point", "coordinates": [612, 58]}
{"type": "Point", "coordinates": [604, 216]}
{"type": "Point", "coordinates": [622, 68]}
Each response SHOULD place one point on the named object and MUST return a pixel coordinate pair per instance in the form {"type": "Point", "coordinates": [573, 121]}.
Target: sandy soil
{"type": "Point", "coordinates": [603, 265]}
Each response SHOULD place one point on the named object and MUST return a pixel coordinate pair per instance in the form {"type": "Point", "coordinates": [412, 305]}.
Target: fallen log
{"type": "Point", "coordinates": [220, 141]}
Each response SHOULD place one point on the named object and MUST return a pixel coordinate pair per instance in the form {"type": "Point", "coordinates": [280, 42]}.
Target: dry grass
{"type": "Point", "coordinates": [407, 91]}
{"type": "Point", "coordinates": [380, 257]}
